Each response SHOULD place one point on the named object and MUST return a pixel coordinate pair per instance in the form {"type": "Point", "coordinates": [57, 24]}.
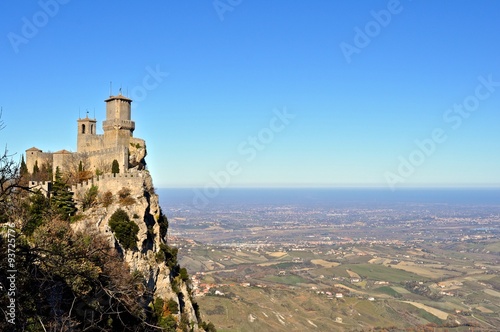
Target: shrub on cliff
{"type": "Point", "coordinates": [90, 197]}
{"type": "Point", "coordinates": [167, 254]}
{"type": "Point", "coordinates": [107, 198]}
{"type": "Point", "coordinates": [124, 229]}
{"type": "Point", "coordinates": [124, 197]}
{"type": "Point", "coordinates": [163, 223]}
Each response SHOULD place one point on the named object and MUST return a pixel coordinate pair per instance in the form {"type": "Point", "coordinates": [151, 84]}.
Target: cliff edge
{"type": "Point", "coordinates": [132, 196]}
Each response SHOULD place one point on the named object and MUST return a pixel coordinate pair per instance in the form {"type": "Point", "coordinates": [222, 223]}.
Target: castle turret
{"type": "Point", "coordinates": [33, 155]}
{"type": "Point", "coordinates": [86, 134]}
{"type": "Point", "coordinates": [118, 128]}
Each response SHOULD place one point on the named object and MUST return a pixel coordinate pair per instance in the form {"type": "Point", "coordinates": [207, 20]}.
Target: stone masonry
{"type": "Point", "coordinates": [97, 152]}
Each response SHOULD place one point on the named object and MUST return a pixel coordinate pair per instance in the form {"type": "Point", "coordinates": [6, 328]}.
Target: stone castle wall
{"type": "Point", "coordinates": [41, 157]}
{"type": "Point", "coordinates": [43, 186]}
{"type": "Point", "coordinates": [102, 159]}
{"type": "Point", "coordinates": [89, 143]}
{"type": "Point", "coordinates": [111, 182]}
{"type": "Point", "coordinates": [62, 160]}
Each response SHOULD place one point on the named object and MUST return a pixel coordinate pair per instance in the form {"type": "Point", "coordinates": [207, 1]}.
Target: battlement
{"type": "Point", "coordinates": [44, 186]}
{"type": "Point", "coordinates": [111, 182]}
{"type": "Point", "coordinates": [118, 124]}
{"type": "Point", "coordinates": [107, 151]}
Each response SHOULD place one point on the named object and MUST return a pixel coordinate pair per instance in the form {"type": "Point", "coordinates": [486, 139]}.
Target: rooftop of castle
{"type": "Point", "coordinates": [86, 119]}
{"type": "Point", "coordinates": [62, 152]}
{"type": "Point", "coordinates": [119, 96]}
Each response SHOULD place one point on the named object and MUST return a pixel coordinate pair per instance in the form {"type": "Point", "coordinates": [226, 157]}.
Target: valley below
{"type": "Point", "coordinates": [403, 267]}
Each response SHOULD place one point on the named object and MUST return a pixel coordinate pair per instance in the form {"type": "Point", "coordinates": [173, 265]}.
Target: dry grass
{"type": "Point", "coordinates": [422, 270]}
{"type": "Point", "coordinates": [492, 292]}
{"type": "Point", "coordinates": [324, 263]}
{"type": "Point", "coordinates": [277, 254]}
{"type": "Point", "coordinates": [433, 311]}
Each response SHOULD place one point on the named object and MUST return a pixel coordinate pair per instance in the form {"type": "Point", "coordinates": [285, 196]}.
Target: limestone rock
{"type": "Point", "coordinates": [144, 209]}
{"type": "Point", "coordinates": [137, 153]}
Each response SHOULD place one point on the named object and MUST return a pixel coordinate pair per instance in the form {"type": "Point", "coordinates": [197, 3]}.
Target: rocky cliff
{"type": "Point", "coordinates": [152, 257]}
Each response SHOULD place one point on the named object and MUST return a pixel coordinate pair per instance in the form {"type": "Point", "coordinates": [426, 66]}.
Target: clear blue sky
{"type": "Point", "coordinates": [359, 101]}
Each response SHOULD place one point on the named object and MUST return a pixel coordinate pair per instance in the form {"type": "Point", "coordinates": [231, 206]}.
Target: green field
{"type": "Point", "coordinates": [388, 290]}
{"type": "Point", "coordinates": [380, 273]}
{"type": "Point", "coordinates": [287, 280]}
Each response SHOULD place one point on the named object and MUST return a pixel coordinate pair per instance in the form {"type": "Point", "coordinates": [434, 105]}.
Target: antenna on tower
{"type": "Point", "coordinates": [110, 88]}
{"type": "Point", "coordinates": [79, 109]}
{"type": "Point", "coordinates": [94, 112]}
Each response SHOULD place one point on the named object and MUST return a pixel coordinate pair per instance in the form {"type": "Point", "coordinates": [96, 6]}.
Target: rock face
{"type": "Point", "coordinates": [134, 193]}
{"type": "Point", "coordinates": [137, 153]}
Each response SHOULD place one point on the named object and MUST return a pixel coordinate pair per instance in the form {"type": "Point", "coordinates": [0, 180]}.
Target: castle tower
{"type": "Point", "coordinates": [118, 128]}
{"type": "Point", "coordinates": [86, 134]}
{"type": "Point", "coordinates": [33, 155]}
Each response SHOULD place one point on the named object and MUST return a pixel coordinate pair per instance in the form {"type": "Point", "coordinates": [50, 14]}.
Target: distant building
{"type": "Point", "coordinates": [44, 187]}
{"type": "Point", "coordinates": [381, 283]}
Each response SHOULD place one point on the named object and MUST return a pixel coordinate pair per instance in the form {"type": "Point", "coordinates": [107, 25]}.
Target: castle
{"type": "Point", "coordinates": [95, 153]}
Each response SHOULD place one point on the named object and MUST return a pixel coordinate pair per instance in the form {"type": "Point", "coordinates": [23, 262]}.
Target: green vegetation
{"type": "Point", "coordinates": [388, 290]}
{"type": "Point", "coordinates": [287, 280]}
{"type": "Point", "coordinates": [36, 169]}
{"type": "Point", "coordinates": [90, 197]}
{"type": "Point", "coordinates": [172, 306]}
{"type": "Point", "coordinates": [208, 327]}
{"type": "Point", "coordinates": [380, 272]}
{"type": "Point", "coordinates": [36, 206]}
{"type": "Point", "coordinates": [61, 199]}
{"type": "Point", "coordinates": [168, 254]}
{"type": "Point", "coordinates": [115, 167]}
{"type": "Point", "coordinates": [408, 308]}
{"type": "Point", "coordinates": [124, 229]}
{"type": "Point", "coordinates": [184, 274]}
{"type": "Point", "coordinates": [163, 223]}
{"type": "Point", "coordinates": [23, 169]}
{"type": "Point", "coordinates": [163, 312]}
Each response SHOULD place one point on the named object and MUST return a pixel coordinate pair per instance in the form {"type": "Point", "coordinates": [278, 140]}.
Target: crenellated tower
{"type": "Point", "coordinates": [118, 127]}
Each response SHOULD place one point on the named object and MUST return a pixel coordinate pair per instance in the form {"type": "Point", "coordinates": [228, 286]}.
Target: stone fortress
{"type": "Point", "coordinates": [96, 153]}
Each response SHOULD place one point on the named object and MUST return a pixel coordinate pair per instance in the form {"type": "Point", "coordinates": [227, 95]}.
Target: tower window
{"type": "Point", "coordinates": [83, 129]}
{"type": "Point", "coordinates": [91, 128]}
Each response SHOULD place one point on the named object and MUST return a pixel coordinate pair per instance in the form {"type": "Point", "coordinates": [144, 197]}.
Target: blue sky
{"type": "Point", "coordinates": [357, 82]}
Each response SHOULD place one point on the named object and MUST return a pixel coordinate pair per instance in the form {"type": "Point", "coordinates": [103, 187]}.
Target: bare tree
{"type": "Point", "coordinates": [103, 166]}
{"type": "Point", "coordinates": [78, 168]}
{"type": "Point", "coordinates": [10, 179]}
